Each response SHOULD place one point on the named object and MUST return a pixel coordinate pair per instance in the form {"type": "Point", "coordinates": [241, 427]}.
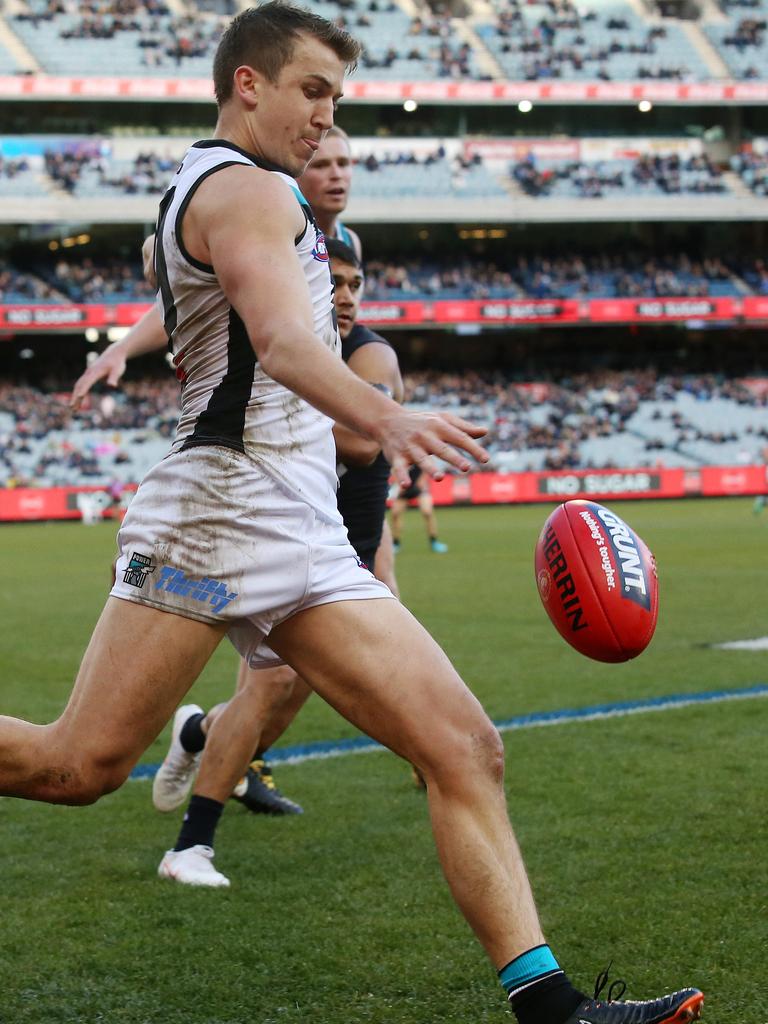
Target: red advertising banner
{"type": "Point", "coordinates": [600, 484]}
{"type": "Point", "coordinates": [660, 310]}
{"type": "Point", "coordinates": [70, 317]}
{"type": "Point", "coordinates": [722, 480]}
{"type": "Point", "coordinates": [27, 504]}
{"type": "Point", "coordinates": [553, 91]}
{"type": "Point", "coordinates": [439, 312]}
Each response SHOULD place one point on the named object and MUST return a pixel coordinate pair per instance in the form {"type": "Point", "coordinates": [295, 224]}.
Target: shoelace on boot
{"type": "Point", "coordinates": [616, 989]}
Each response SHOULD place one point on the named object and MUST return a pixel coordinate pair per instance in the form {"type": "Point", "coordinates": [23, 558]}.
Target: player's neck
{"type": "Point", "coordinates": [327, 222]}
{"type": "Point", "coordinates": [231, 129]}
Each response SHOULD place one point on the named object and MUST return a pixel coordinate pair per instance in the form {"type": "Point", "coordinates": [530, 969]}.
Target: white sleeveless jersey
{"type": "Point", "coordinates": [227, 400]}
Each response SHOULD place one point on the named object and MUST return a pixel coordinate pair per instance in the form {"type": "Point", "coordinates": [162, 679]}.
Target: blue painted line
{"type": "Point", "coordinates": [619, 709]}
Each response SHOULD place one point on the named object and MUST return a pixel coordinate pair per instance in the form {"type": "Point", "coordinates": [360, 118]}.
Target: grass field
{"type": "Point", "coordinates": [644, 836]}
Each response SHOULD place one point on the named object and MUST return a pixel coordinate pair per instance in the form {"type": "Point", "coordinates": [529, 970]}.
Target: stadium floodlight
{"type": "Point", "coordinates": [410, 105]}
{"type": "Point", "coordinates": [644, 106]}
{"type": "Point", "coordinates": [525, 106]}
{"type": "Point", "coordinates": [91, 335]}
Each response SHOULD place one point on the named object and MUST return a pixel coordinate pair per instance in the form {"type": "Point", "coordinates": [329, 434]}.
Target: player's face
{"type": "Point", "coordinates": [348, 282]}
{"type": "Point", "coordinates": [327, 179]}
{"type": "Point", "coordinates": [293, 114]}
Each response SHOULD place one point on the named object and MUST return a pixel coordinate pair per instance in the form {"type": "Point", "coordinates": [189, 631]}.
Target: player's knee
{"type": "Point", "coordinates": [78, 785]}
{"type": "Point", "coordinates": [473, 753]}
{"type": "Point", "coordinates": [489, 752]}
{"type": "Point", "coordinates": [95, 777]}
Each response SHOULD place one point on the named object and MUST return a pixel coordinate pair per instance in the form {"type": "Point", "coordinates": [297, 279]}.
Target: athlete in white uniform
{"type": "Point", "coordinates": [233, 422]}
{"type": "Point", "coordinates": [205, 564]}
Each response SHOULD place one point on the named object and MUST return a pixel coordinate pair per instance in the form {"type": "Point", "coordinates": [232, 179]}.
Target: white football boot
{"type": "Point", "coordinates": [176, 774]}
{"type": "Point", "coordinates": [193, 866]}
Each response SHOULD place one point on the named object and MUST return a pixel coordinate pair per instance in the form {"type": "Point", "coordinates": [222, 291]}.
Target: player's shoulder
{"type": "Point", "coordinates": [242, 191]}
{"type": "Point", "coordinates": [361, 335]}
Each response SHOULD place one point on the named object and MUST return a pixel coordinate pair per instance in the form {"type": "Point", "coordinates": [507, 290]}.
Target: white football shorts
{"type": "Point", "coordinates": [210, 537]}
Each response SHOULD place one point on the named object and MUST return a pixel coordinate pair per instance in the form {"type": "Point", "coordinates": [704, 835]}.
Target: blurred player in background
{"type": "Point", "coordinates": [268, 700]}
{"type": "Point", "coordinates": [417, 490]}
{"type": "Point", "coordinates": [762, 499]}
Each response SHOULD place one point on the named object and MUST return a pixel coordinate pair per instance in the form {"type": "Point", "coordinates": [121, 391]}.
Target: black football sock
{"type": "Point", "coordinates": [538, 989]}
{"type": "Point", "coordinates": [192, 737]}
{"type": "Point", "coordinates": [200, 821]}
{"type": "Point", "coordinates": [548, 1001]}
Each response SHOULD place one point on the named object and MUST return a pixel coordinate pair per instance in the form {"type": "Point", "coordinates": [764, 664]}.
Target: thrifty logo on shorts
{"type": "Point", "coordinates": [213, 592]}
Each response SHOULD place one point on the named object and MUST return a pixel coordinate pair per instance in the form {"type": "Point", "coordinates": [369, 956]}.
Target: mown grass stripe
{"type": "Point", "coordinates": [363, 745]}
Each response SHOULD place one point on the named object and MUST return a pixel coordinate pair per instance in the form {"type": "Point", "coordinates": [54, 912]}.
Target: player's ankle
{"type": "Point", "coordinates": [200, 823]}
{"type": "Point", "coordinates": [192, 735]}
{"type": "Point", "coordinates": [538, 989]}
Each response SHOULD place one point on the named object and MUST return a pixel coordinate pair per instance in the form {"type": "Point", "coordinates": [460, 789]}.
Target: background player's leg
{"type": "Point", "coordinates": [266, 702]}
{"type": "Point", "coordinates": [427, 509]}
{"type": "Point", "coordinates": [232, 732]}
{"type": "Point", "coordinates": [283, 713]}
{"type": "Point", "coordinates": [139, 664]}
{"type": "Point", "coordinates": [378, 667]}
{"type": "Point", "coordinates": [396, 511]}
{"type": "Point", "coordinates": [384, 563]}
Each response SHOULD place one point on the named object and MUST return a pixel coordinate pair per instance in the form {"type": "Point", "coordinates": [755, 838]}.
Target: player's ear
{"type": "Point", "coordinates": [248, 83]}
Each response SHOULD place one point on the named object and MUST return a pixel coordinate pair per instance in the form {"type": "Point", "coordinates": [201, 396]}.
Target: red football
{"type": "Point", "coordinates": [597, 581]}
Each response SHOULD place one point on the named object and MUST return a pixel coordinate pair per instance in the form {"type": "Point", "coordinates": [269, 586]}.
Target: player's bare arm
{"type": "Point", "coordinates": [377, 364]}
{"type": "Point", "coordinates": [247, 232]}
{"type": "Point", "coordinates": [148, 260]}
{"type": "Point", "coordinates": [146, 335]}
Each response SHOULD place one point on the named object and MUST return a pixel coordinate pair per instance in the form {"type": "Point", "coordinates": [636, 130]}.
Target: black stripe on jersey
{"type": "Point", "coordinates": [307, 221]}
{"type": "Point", "coordinates": [170, 314]}
{"type": "Point", "coordinates": [206, 267]}
{"type": "Point", "coordinates": [223, 421]}
{"type": "Point", "coordinates": [224, 144]}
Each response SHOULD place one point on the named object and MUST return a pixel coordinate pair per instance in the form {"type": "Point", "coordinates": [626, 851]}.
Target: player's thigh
{"type": "Point", "coordinates": [380, 669]}
{"type": "Point", "coordinates": [139, 664]}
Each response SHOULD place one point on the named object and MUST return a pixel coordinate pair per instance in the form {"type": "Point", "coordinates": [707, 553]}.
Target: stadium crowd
{"type": "Point", "coordinates": [752, 168]}
{"type": "Point", "coordinates": [566, 275]}
{"type": "Point", "coordinates": [570, 38]}
{"type": "Point", "coordinates": [670, 174]}
{"type": "Point", "coordinates": [542, 424]}
{"type": "Point", "coordinates": [551, 276]}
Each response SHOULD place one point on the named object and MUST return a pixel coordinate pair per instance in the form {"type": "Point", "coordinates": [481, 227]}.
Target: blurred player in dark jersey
{"type": "Point", "coordinates": [417, 490]}
{"type": "Point", "coordinates": [268, 700]}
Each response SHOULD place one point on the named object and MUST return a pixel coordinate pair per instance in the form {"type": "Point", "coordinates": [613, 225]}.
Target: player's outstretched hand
{"type": "Point", "coordinates": [110, 366]}
{"type": "Point", "coordinates": [413, 438]}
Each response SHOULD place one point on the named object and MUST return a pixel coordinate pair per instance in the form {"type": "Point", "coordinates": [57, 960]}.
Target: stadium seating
{"type": "Point", "coordinates": [608, 41]}
{"type": "Point", "coordinates": [660, 174]}
{"type": "Point", "coordinates": [740, 39]}
{"type": "Point", "coordinates": [441, 178]}
{"type": "Point", "coordinates": [752, 167]}
{"type": "Point", "coordinates": [544, 276]}
{"type": "Point", "coordinates": [592, 421]}
{"type": "Point", "coordinates": [21, 288]}
{"type": "Point", "coordinates": [138, 38]}
{"type": "Point", "coordinates": [146, 39]}
{"type": "Point", "coordinates": [8, 63]}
